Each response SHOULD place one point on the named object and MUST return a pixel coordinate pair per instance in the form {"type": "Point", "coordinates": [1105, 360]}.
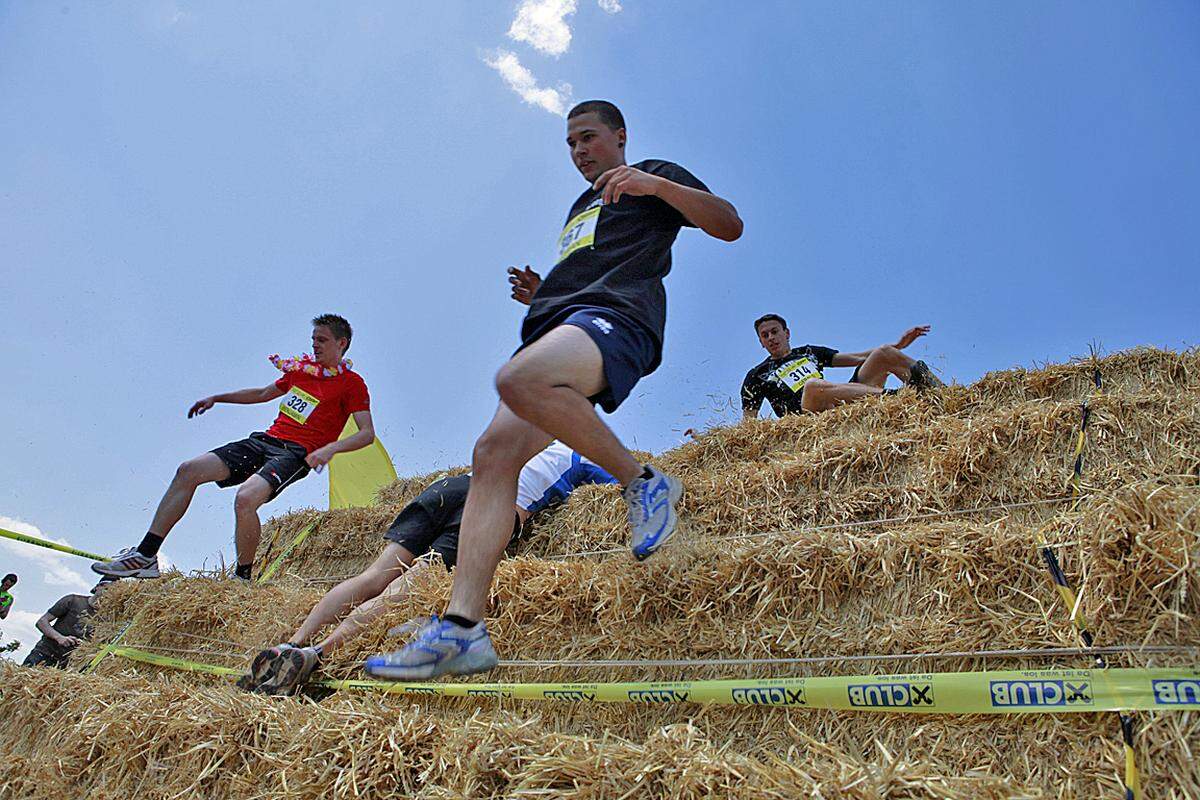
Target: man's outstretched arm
{"type": "Point", "coordinates": [366, 434]}
{"type": "Point", "coordinates": [242, 396]}
{"type": "Point", "coordinates": [906, 338]}
{"type": "Point", "coordinates": [714, 215]}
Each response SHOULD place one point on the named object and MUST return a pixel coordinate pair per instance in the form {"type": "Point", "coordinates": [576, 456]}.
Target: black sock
{"type": "Point", "coordinates": [150, 544]}
{"type": "Point", "coordinates": [646, 473]}
{"type": "Point", "coordinates": [243, 571]}
{"type": "Point", "coordinates": [460, 621]}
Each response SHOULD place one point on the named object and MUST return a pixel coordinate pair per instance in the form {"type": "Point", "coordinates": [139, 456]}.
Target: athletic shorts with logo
{"type": "Point", "coordinates": [278, 461]}
{"type": "Point", "coordinates": [430, 523]}
{"type": "Point", "coordinates": [628, 349]}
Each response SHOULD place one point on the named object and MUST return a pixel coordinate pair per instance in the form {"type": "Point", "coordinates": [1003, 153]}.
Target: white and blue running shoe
{"type": "Point", "coordinates": [440, 647]}
{"type": "Point", "coordinates": [652, 511]}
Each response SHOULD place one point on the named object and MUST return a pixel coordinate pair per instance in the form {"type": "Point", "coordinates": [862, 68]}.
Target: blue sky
{"type": "Point", "coordinates": [184, 186]}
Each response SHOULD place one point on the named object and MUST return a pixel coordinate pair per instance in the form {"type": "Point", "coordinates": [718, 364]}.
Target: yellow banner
{"type": "Point", "coordinates": [355, 478]}
{"type": "Point", "coordinates": [270, 571]}
{"type": "Point", "coordinates": [62, 548]}
{"type": "Point", "coordinates": [1051, 691]}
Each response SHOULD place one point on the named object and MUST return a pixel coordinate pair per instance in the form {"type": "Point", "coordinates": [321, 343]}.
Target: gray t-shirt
{"type": "Point", "coordinates": [71, 614]}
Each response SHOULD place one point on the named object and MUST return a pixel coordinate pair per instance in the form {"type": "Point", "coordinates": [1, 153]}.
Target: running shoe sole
{"type": "Point", "coordinates": [674, 495]}
{"type": "Point", "coordinates": [290, 672]}
{"type": "Point", "coordinates": [141, 572]}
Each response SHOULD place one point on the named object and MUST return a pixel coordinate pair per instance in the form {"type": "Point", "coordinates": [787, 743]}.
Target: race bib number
{"type": "Point", "coordinates": [579, 233]}
{"type": "Point", "coordinates": [795, 374]}
{"type": "Point", "coordinates": [298, 404]}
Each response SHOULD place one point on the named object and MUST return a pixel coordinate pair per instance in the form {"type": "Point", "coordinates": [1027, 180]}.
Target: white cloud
{"type": "Point", "coordinates": [522, 81]}
{"type": "Point", "coordinates": [611, 6]}
{"type": "Point", "coordinates": [22, 626]}
{"type": "Point", "coordinates": [53, 564]}
{"type": "Point", "coordinates": [543, 25]}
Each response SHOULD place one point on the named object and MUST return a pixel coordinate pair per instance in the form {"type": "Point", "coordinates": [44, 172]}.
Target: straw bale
{"type": "Point", "coordinates": [960, 583]}
{"type": "Point", "coordinates": [122, 736]}
{"type": "Point", "coordinates": [1007, 438]}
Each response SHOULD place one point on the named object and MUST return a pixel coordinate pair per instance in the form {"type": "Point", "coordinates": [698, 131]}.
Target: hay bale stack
{"type": "Point", "coordinates": [952, 584]}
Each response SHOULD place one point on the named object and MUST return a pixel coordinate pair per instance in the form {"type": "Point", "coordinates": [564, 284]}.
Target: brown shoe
{"type": "Point", "coordinates": [263, 667]}
{"type": "Point", "coordinates": [291, 671]}
{"type": "Point", "coordinates": [921, 377]}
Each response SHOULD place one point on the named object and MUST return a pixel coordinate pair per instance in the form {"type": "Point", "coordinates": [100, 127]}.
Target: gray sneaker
{"type": "Point", "coordinates": [128, 564]}
{"type": "Point", "coordinates": [652, 516]}
{"type": "Point", "coordinates": [921, 377]}
{"type": "Point", "coordinates": [440, 647]}
{"type": "Point", "coordinates": [292, 669]}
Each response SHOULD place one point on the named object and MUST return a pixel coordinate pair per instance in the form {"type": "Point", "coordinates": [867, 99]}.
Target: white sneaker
{"type": "Point", "coordinates": [652, 511]}
{"type": "Point", "coordinates": [129, 563]}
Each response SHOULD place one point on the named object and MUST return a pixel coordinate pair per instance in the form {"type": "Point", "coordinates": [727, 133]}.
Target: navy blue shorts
{"type": "Point", "coordinates": [629, 351]}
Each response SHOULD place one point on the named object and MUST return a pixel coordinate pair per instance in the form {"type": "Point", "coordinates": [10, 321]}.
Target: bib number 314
{"type": "Point", "coordinates": [797, 373]}
{"type": "Point", "coordinates": [298, 404]}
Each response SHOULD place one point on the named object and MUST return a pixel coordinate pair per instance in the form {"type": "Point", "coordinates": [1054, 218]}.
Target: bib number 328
{"type": "Point", "coordinates": [298, 404]}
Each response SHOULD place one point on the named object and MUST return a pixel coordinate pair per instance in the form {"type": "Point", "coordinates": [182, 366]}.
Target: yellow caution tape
{"type": "Point", "coordinates": [62, 548]}
{"type": "Point", "coordinates": [270, 571]}
{"type": "Point", "coordinates": [1051, 691]}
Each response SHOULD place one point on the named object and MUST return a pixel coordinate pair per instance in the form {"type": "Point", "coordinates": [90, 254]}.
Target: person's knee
{"type": "Point", "coordinates": [494, 450]}
{"type": "Point", "coordinates": [890, 353]}
{"type": "Point", "coordinates": [190, 472]}
{"type": "Point", "coordinates": [815, 395]}
{"type": "Point", "coordinates": [248, 500]}
{"type": "Point", "coordinates": [516, 388]}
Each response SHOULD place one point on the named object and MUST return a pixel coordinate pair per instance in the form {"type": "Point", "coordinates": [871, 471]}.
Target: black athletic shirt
{"type": "Point", "coordinates": [615, 257]}
{"type": "Point", "coordinates": [779, 381]}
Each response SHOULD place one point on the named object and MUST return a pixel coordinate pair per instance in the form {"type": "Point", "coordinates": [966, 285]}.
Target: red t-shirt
{"type": "Point", "coordinates": [313, 411]}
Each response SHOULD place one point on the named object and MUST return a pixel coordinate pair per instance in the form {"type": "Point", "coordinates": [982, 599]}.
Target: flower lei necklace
{"type": "Point", "coordinates": [306, 363]}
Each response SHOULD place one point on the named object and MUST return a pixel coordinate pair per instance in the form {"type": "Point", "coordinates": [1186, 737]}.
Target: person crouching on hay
{"type": "Point", "coordinates": [792, 379]}
{"type": "Point", "coordinates": [64, 626]}
{"type": "Point", "coordinates": [427, 525]}
{"type": "Point", "coordinates": [319, 393]}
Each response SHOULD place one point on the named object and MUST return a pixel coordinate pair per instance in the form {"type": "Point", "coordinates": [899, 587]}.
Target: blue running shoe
{"type": "Point", "coordinates": [652, 511]}
{"type": "Point", "coordinates": [440, 647]}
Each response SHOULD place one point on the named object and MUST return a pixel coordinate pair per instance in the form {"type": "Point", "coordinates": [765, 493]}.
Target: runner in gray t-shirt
{"type": "Point", "coordinates": [70, 626]}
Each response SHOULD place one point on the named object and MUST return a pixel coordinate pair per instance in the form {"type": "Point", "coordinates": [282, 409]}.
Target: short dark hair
{"type": "Point", "coordinates": [769, 318]}
{"type": "Point", "coordinates": [338, 326]}
{"type": "Point", "coordinates": [12, 576]}
{"type": "Point", "coordinates": [609, 114]}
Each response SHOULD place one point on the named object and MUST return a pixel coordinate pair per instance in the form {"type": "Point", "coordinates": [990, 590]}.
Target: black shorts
{"type": "Point", "coordinates": [278, 461]}
{"type": "Point", "coordinates": [431, 521]}
{"type": "Point", "coordinates": [41, 656]}
{"type": "Point", "coordinates": [629, 351]}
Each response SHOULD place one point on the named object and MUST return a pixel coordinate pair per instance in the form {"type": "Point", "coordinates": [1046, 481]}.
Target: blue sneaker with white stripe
{"type": "Point", "coordinates": [652, 511]}
{"type": "Point", "coordinates": [440, 648]}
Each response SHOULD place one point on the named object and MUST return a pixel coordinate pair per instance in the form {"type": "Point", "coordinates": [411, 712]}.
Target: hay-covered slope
{"type": "Point", "coordinates": [956, 583]}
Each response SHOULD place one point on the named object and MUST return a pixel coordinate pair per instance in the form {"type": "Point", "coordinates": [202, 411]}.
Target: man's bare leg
{"type": "Point", "coordinates": [363, 615]}
{"type": "Point", "coordinates": [544, 394]}
{"type": "Point", "coordinates": [142, 561]}
{"type": "Point", "coordinates": [188, 477]}
{"type": "Point", "coordinates": [393, 561]}
{"type": "Point", "coordinates": [822, 395]}
{"type": "Point", "coordinates": [884, 361]}
{"type": "Point", "coordinates": [487, 522]}
{"type": "Point", "coordinates": [250, 497]}
{"type": "Point", "coordinates": [548, 384]}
